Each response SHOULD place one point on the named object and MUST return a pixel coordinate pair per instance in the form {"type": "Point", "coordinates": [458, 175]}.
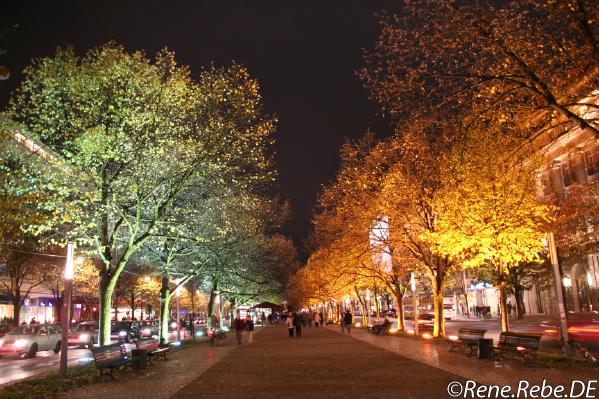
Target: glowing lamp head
{"type": "Point", "coordinates": [427, 336]}
{"type": "Point", "coordinates": [453, 337]}
{"type": "Point", "coordinates": [68, 269]}
{"type": "Point", "coordinates": [393, 330]}
{"type": "Point", "coordinates": [410, 331]}
{"type": "Point", "coordinates": [567, 282]}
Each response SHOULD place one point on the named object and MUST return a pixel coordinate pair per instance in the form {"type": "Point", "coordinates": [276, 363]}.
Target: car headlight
{"type": "Point", "coordinates": [20, 343]}
{"type": "Point", "coordinates": [122, 333]}
{"type": "Point", "coordinates": [84, 337]}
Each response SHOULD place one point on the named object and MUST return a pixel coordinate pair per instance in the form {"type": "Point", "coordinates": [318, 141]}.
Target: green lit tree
{"type": "Point", "coordinates": [133, 136]}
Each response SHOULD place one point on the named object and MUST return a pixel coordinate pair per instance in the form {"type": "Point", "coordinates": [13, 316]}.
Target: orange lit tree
{"type": "Point", "coordinates": [488, 211]}
{"type": "Point", "coordinates": [524, 63]}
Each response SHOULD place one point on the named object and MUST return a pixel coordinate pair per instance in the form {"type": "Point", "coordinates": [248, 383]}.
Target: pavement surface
{"type": "Point", "coordinates": [160, 381]}
{"type": "Point", "coordinates": [323, 363]}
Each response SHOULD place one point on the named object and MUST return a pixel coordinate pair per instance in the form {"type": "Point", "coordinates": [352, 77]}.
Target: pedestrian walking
{"type": "Point", "coordinates": [263, 319]}
{"type": "Point", "coordinates": [316, 319]}
{"type": "Point", "coordinates": [348, 320]}
{"type": "Point", "coordinates": [239, 326]}
{"type": "Point", "coordinates": [289, 322]}
{"type": "Point", "coordinates": [249, 326]}
{"type": "Point", "coordinates": [297, 322]}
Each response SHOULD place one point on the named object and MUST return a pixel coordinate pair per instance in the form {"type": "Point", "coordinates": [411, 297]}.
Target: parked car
{"type": "Point", "coordinates": [389, 313]}
{"type": "Point", "coordinates": [84, 334]}
{"type": "Point", "coordinates": [125, 330]}
{"type": "Point", "coordinates": [150, 328]}
{"type": "Point", "coordinates": [27, 340]}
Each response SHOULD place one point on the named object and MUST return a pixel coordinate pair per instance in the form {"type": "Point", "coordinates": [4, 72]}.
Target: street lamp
{"type": "Point", "coordinates": [66, 309]}
{"type": "Point", "coordinates": [178, 295]}
{"type": "Point", "coordinates": [561, 310]}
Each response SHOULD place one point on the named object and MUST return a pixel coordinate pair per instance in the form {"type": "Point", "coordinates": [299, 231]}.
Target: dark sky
{"type": "Point", "coordinates": [304, 54]}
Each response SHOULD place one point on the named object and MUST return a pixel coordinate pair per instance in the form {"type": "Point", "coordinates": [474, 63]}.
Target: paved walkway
{"type": "Point", "coordinates": [321, 364]}
{"type": "Point", "coordinates": [482, 370]}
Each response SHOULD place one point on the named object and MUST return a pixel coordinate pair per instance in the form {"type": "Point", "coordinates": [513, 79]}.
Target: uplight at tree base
{"type": "Point", "coordinates": [427, 336]}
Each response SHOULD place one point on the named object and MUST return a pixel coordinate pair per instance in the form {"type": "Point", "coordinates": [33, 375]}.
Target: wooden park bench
{"type": "Point", "coordinates": [468, 337]}
{"type": "Point", "coordinates": [154, 350]}
{"type": "Point", "coordinates": [110, 357]}
{"type": "Point", "coordinates": [523, 345]}
{"type": "Point", "coordinates": [380, 329]}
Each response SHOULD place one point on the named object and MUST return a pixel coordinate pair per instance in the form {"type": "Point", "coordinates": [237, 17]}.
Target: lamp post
{"type": "Point", "coordinates": [147, 279]}
{"type": "Point", "coordinates": [177, 293]}
{"type": "Point", "coordinates": [414, 303]}
{"type": "Point", "coordinates": [557, 283]}
{"type": "Point", "coordinates": [66, 309]}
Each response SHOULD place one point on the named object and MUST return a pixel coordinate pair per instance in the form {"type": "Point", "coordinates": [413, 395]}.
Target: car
{"type": "Point", "coordinates": [125, 330]}
{"type": "Point", "coordinates": [27, 340]}
{"type": "Point", "coordinates": [389, 313]}
{"type": "Point", "coordinates": [84, 334]}
{"type": "Point", "coordinates": [150, 328]}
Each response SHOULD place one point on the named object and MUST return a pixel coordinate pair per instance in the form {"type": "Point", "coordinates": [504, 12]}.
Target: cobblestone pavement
{"type": "Point", "coordinates": [322, 364]}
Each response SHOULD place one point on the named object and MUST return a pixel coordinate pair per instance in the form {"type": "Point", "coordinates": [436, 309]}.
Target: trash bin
{"type": "Point", "coordinates": [485, 348]}
{"type": "Point", "coordinates": [140, 359]}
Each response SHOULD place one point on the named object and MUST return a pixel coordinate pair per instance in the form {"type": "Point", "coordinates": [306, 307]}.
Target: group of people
{"type": "Point", "coordinates": [243, 325]}
{"type": "Point", "coordinates": [346, 321]}
{"type": "Point", "coordinates": [295, 321]}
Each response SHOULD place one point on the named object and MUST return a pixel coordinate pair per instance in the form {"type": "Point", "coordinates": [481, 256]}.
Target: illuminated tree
{"type": "Point", "coordinates": [351, 216]}
{"type": "Point", "coordinates": [525, 64]}
{"type": "Point", "coordinates": [489, 213]}
{"type": "Point", "coordinates": [135, 135]}
{"type": "Point", "coordinates": [408, 197]}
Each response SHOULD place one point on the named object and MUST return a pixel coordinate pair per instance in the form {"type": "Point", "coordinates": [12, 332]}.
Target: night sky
{"type": "Point", "coordinates": [304, 54]}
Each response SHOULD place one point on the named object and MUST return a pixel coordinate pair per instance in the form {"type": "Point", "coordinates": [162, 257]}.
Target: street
{"type": "Point", "coordinates": [12, 369]}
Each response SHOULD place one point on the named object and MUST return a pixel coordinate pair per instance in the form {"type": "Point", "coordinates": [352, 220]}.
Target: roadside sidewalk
{"type": "Point", "coordinates": [162, 380]}
{"type": "Point", "coordinates": [483, 371]}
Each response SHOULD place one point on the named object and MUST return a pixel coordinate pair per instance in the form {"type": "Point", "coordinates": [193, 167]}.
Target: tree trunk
{"type": "Point", "coordinates": [376, 305]}
{"type": "Point", "coordinates": [519, 294]}
{"type": "Point", "coordinates": [210, 310]}
{"type": "Point", "coordinates": [104, 305]}
{"type": "Point", "coordinates": [503, 307]}
{"type": "Point", "coordinates": [164, 310]}
{"type": "Point", "coordinates": [438, 292]}
{"type": "Point", "coordinates": [16, 304]}
{"type": "Point", "coordinates": [398, 291]}
{"type": "Point", "coordinates": [362, 305]}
